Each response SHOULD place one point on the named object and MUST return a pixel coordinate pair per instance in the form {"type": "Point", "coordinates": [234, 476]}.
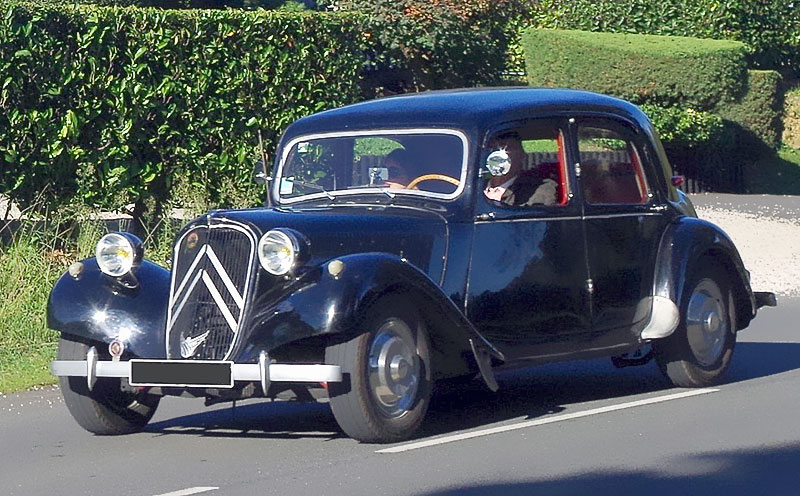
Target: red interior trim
{"type": "Point", "coordinates": [562, 166]}
{"type": "Point", "coordinates": [637, 167]}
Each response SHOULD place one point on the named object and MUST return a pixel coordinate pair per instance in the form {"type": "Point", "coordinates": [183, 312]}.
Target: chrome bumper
{"type": "Point", "coordinates": [263, 372]}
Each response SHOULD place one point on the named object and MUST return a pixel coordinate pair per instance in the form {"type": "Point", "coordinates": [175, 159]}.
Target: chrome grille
{"type": "Point", "coordinates": [211, 273]}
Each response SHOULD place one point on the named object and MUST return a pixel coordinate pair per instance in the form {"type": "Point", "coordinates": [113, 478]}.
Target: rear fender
{"type": "Point", "coordinates": [97, 308]}
{"type": "Point", "coordinates": [683, 245]}
{"type": "Point", "coordinates": [327, 303]}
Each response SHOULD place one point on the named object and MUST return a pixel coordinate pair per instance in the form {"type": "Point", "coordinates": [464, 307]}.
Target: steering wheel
{"type": "Point", "coordinates": [432, 177]}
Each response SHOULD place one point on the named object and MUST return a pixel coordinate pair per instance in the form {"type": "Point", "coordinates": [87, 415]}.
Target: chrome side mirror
{"type": "Point", "coordinates": [498, 163]}
{"type": "Point", "coordinates": [260, 172]}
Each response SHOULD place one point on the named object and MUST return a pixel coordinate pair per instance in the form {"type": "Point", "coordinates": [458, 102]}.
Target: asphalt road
{"type": "Point", "coordinates": [561, 429]}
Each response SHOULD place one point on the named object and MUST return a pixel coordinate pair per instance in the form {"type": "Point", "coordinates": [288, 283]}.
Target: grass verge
{"type": "Point", "coordinates": [27, 272]}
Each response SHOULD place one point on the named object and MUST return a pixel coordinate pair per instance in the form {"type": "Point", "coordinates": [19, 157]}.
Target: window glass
{"type": "Point", "coordinates": [534, 171]}
{"type": "Point", "coordinates": [611, 171]}
{"type": "Point", "coordinates": [425, 163]}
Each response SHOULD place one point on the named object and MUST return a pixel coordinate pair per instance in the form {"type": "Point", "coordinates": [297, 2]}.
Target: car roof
{"type": "Point", "coordinates": [463, 109]}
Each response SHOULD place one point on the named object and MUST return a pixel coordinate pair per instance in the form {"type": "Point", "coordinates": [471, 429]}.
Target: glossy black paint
{"type": "Point", "coordinates": [683, 244]}
{"type": "Point", "coordinates": [98, 308]}
{"type": "Point", "coordinates": [516, 283]}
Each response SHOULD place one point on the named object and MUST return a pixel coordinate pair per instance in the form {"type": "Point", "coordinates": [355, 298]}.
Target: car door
{"type": "Point", "coordinates": [623, 223]}
{"type": "Point", "coordinates": [526, 288]}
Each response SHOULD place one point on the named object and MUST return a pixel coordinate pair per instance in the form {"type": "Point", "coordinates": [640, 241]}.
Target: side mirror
{"type": "Point", "coordinates": [498, 163]}
{"type": "Point", "coordinates": [260, 172]}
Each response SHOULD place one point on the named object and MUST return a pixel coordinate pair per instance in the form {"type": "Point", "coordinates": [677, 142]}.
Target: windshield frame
{"type": "Point", "coordinates": [381, 191]}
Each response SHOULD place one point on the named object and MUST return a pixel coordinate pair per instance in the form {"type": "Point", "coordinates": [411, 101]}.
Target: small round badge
{"type": "Point", "coordinates": [191, 241]}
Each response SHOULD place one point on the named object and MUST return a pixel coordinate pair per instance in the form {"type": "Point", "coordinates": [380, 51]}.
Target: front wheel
{"type": "Point", "coordinates": [106, 409]}
{"type": "Point", "coordinates": [699, 351]}
{"type": "Point", "coordinates": [386, 375]}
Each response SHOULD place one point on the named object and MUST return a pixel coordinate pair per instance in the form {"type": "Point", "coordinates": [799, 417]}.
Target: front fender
{"type": "Point", "coordinates": [324, 304]}
{"type": "Point", "coordinates": [97, 308]}
{"type": "Point", "coordinates": [682, 245]}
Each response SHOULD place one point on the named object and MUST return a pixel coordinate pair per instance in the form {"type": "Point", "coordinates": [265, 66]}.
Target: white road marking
{"type": "Point", "coordinates": [548, 420]}
{"type": "Point", "coordinates": [191, 490]}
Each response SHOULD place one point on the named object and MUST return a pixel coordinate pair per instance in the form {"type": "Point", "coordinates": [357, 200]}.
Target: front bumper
{"type": "Point", "coordinates": [194, 373]}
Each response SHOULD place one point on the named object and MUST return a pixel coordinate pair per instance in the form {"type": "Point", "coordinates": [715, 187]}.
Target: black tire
{"type": "Point", "coordinates": [106, 409]}
{"type": "Point", "coordinates": [699, 353]}
{"type": "Point", "coordinates": [392, 333]}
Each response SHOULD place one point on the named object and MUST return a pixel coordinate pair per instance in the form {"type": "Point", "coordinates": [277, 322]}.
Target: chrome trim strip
{"type": "Point", "coordinates": [185, 297]}
{"type": "Point", "coordinates": [223, 307]}
{"type": "Point", "coordinates": [586, 217]}
{"type": "Point", "coordinates": [374, 132]}
{"type": "Point", "coordinates": [226, 279]}
{"type": "Point", "coordinates": [538, 219]}
{"type": "Point", "coordinates": [189, 272]}
{"type": "Point", "coordinates": [278, 372]}
{"type": "Point", "coordinates": [664, 319]}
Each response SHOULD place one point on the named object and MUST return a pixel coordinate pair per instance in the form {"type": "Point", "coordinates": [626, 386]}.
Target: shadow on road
{"type": "Point", "coordinates": [770, 471]}
{"type": "Point", "coordinates": [529, 393]}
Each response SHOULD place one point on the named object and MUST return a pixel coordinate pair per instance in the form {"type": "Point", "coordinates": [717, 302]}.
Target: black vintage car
{"type": "Point", "coordinates": [412, 239]}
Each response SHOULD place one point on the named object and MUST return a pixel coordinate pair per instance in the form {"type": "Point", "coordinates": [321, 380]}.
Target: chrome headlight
{"type": "Point", "coordinates": [118, 253]}
{"type": "Point", "coordinates": [277, 252]}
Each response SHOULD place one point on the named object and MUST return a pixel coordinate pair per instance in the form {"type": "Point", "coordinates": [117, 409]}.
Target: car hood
{"type": "Point", "coordinates": [418, 235]}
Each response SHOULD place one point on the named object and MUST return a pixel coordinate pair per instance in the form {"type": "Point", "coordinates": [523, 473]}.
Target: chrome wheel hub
{"type": "Point", "coordinates": [707, 324]}
{"type": "Point", "coordinates": [393, 368]}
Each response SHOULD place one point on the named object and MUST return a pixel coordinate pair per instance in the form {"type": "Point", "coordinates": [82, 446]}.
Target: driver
{"type": "Point", "coordinates": [518, 187]}
{"type": "Point", "coordinates": [397, 164]}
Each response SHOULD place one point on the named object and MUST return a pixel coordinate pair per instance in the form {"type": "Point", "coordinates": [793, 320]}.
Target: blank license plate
{"type": "Point", "coordinates": [181, 373]}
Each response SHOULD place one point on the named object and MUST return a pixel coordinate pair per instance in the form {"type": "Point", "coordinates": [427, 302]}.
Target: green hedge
{"type": "Point", "coordinates": [791, 119]}
{"type": "Point", "coordinates": [770, 27]}
{"type": "Point", "coordinates": [113, 104]}
{"type": "Point", "coordinates": [759, 110]}
{"type": "Point", "coordinates": [642, 68]}
{"type": "Point", "coordinates": [685, 127]}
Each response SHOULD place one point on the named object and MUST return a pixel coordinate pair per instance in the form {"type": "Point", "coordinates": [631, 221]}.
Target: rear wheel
{"type": "Point", "coordinates": [699, 352]}
{"type": "Point", "coordinates": [386, 376]}
{"type": "Point", "coordinates": [106, 409]}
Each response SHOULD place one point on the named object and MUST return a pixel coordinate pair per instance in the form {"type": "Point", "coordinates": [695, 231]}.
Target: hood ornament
{"type": "Point", "coordinates": [189, 345]}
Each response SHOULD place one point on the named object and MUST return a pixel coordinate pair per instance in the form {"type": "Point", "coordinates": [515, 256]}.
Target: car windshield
{"type": "Point", "coordinates": [413, 162]}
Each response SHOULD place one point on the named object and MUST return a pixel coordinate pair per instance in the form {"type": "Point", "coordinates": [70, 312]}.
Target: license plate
{"type": "Point", "coordinates": [181, 373]}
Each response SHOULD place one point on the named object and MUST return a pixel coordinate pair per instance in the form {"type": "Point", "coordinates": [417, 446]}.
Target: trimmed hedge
{"type": "Point", "coordinates": [642, 68]}
{"type": "Point", "coordinates": [791, 119]}
{"type": "Point", "coordinates": [770, 27]}
{"type": "Point", "coordinates": [113, 104]}
{"type": "Point", "coordinates": [684, 127]}
{"type": "Point", "coordinates": [759, 111]}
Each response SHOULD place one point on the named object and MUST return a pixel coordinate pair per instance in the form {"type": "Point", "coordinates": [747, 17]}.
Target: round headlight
{"type": "Point", "coordinates": [276, 252]}
{"type": "Point", "coordinates": [118, 253]}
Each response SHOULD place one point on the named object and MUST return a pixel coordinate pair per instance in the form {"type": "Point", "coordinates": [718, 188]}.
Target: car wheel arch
{"type": "Point", "coordinates": [683, 247]}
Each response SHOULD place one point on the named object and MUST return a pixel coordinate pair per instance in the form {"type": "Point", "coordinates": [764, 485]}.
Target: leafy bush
{"type": "Point", "coordinates": [770, 27]}
{"type": "Point", "coordinates": [791, 119]}
{"type": "Point", "coordinates": [684, 127]}
{"type": "Point", "coordinates": [114, 104]}
{"type": "Point", "coordinates": [759, 110]}
{"type": "Point", "coordinates": [663, 70]}
{"type": "Point", "coordinates": [433, 44]}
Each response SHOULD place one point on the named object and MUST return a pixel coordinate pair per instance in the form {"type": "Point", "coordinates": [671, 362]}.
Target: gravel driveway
{"type": "Point", "coordinates": [766, 230]}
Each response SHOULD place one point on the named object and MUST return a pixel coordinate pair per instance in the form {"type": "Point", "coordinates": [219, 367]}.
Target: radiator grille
{"type": "Point", "coordinates": [211, 273]}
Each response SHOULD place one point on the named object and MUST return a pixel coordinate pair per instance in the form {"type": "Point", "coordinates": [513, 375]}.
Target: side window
{"type": "Point", "coordinates": [526, 167]}
{"type": "Point", "coordinates": [611, 170]}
